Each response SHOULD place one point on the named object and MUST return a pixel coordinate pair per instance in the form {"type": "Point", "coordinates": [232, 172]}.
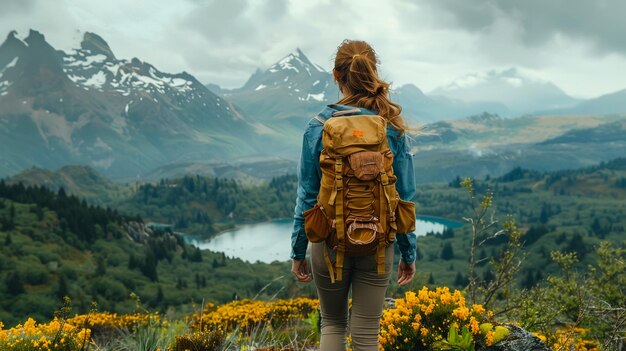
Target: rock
{"type": "Point", "coordinates": [138, 232]}
{"type": "Point", "coordinates": [518, 340]}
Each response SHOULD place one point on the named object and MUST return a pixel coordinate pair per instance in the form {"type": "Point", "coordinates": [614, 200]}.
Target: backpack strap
{"type": "Point", "coordinates": [320, 119]}
{"type": "Point", "coordinates": [339, 223]}
{"type": "Point", "coordinates": [346, 112]}
{"type": "Point", "coordinates": [380, 249]}
{"type": "Point", "coordinates": [329, 264]}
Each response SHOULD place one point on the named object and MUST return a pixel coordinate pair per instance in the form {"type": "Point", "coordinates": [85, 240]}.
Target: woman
{"type": "Point", "coordinates": [363, 93]}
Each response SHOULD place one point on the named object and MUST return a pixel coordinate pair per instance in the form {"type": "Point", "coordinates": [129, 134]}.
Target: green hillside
{"type": "Point", "coordinates": [55, 244]}
{"type": "Point", "coordinates": [82, 181]}
{"type": "Point", "coordinates": [568, 211]}
{"type": "Point", "coordinates": [204, 206]}
{"type": "Point", "coordinates": [488, 144]}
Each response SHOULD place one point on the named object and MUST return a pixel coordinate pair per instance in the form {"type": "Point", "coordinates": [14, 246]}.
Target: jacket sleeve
{"type": "Point", "coordinates": [405, 185]}
{"type": "Point", "coordinates": [309, 176]}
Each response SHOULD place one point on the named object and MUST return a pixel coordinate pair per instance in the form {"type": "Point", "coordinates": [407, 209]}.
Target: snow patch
{"type": "Point", "coordinates": [127, 106]}
{"type": "Point", "coordinates": [102, 145]}
{"type": "Point", "coordinates": [112, 67]}
{"type": "Point", "coordinates": [261, 86]}
{"type": "Point", "coordinates": [5, 84]}
{"type": "Point", "coordinates": [319, 68]}
{"type": "Point", "coordinates": [11, 64]}
{"type": "Point", "coordinates": [97, 80]}
{"type": "Point", "coordinates": [76, 79]}
{"type": "Point", "coordinates": [318, 97]}
{"type": "Point", "coordinates": [88, 61]}
{"type": "Point", "coordinates": [316, 82]}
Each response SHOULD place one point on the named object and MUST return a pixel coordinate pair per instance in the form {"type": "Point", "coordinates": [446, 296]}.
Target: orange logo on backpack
{"type": "Point", "coordinates": [358, 133]}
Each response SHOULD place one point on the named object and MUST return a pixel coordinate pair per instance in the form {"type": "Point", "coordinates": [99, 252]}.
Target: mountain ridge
{"type": "Point", "coordinates": [121, 116]}
{"type": "Point", "coordinates": [518, 91]}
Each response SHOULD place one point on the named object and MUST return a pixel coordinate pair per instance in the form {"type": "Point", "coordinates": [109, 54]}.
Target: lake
{"type": "Point", "coordinates": [271, 241]}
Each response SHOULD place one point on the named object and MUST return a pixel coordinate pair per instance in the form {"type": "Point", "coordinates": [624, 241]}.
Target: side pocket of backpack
{"type": "Point", "coordinates": [316, 224]}
{"type": "Point", "coordinates": [405, 217]}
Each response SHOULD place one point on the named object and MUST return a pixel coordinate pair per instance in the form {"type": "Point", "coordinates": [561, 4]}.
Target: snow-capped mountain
{"type": "Point", "coordinates": [285, 95]}
{"type": "Point", "coordinates": [296, 76]}
{"type": "Point", "coordinates": [511, 87]}
{"type": "Point", "coordinates": [123, 117]}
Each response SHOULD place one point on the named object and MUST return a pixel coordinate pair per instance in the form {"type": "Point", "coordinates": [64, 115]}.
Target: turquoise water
{"type": "Point", "coordinates": [271, 241]}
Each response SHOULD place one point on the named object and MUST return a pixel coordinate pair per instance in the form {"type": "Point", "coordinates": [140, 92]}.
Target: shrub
{"type": "Point", "coordinates": [422, 320]}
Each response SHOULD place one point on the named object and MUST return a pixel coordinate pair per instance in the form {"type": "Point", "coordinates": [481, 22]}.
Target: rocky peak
{"type": "Point", "coordinates": [96, 45]}
{"type": "Point", "coordinates": [296, 61]}
{"type": "Point", "coordinates": [11, 48]}
{"type": "Point", "coordinates": [35, 38]}
{"type": "Point", "coordinates": [35, 54]}
{"type": "Point", "coordinates": [410, 89]}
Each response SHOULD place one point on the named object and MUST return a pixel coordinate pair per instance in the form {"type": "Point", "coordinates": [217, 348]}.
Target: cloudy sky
{"type": "Point", "coordinates": [577, 44]}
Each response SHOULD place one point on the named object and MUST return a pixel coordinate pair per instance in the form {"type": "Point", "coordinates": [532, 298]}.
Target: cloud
{"type": "Point", "coordinates": [575, 43]}
{"type": "Point", "coordinates": [600, 23]}
{"type": "Point", "coordinates": [15, 7]}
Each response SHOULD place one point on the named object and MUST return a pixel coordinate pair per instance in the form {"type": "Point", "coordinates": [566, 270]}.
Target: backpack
{"type": "Point", "coordinates": [357, 211]}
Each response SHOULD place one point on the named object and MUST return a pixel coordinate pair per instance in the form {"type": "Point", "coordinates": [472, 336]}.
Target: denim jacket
{"type": "Point", "coordinates": [309, 178]}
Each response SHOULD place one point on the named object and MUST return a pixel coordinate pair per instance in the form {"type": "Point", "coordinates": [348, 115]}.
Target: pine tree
{"type": "Point", "coordinates": [63, 288]}
{"type": "Point", "coordinates": [159, 296]}
{"type": "Point", "coordinates": [447, 253]}
{"type": "Point", "coordinates": [460, 280]}
{"type": "Point", "coordinates": [149, 267]}
{"type": "Point", "coordinates": [101, 268]}
{"type": "Point", "coordinates": [14, 284]}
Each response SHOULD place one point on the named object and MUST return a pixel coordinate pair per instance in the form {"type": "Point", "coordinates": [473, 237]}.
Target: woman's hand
{"type": "Point", "coordinates": [406, 272]}
{"type": "Point", "coordinates": [300, 270]}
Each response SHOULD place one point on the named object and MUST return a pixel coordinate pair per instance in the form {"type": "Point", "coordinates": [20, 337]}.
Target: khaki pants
{"type": "Point", "coordinates": [368, 294]}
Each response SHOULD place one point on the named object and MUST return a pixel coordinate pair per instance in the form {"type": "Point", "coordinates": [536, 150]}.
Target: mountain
{"type": "Point", "coordinates": [418, 107]}
{"type": "Point", "coordinates": [251, 170]}
{"type": "Point", "coordinates": [81, 181]}
{"type": "Point", "coordinates": [284, 96]}
{"type": "Point", "coordinates": [614, 132]}
{"type": "Point", "coordinates": [519, 92]}
{"type": "Point", "coordinates": [491, 145]}
{"type": "Point", "coordinates": [613, 103]}
{"type": "Point", "coordinates": [123, 117]}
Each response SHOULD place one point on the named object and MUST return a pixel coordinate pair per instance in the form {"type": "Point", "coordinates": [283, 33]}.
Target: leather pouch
{"type": "Point", "coordinates": [316, 224]}
{"type": "Point", "coordinates": [367, 165]}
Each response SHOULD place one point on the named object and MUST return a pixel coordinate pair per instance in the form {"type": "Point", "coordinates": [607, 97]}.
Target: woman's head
{"type": "Point", "coordinates": [357, 77]}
